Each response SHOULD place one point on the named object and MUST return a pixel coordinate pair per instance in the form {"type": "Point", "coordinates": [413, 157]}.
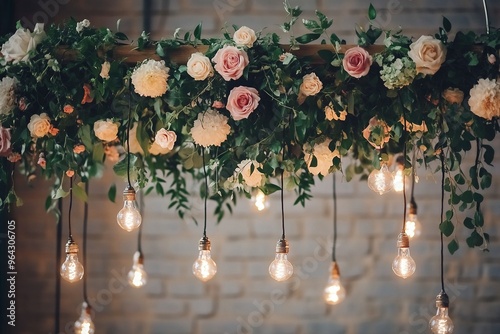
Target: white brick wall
{"type": "Point", "coordinates": [242, 298]}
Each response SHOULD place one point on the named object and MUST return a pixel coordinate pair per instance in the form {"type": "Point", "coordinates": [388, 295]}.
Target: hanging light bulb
{"type": "Point", "coordinates": [403, 265]}
{"type": "Point", "coordinates": [334, 292]}
{"type": "Point", "coordinates": [84, 324]}
{"type": "Point", "coordinates": [381, 181]}
{"type": "Point", "coordinates": [441, 322]}
{"type": "Point", "coordinates": [204, 268]}
{"type": "Point", "coordinates": [129, 217]}
{"type": "Point", "coordinates": [259, 200]}
{"type": "Point", "coordinates": [281, 269]}
{"type": "Point", "coordinates": [413, 228]}
{"type": "Point", "coordinates": [399, 178]}
{"type": "Point", "coordinates": [137, 276]}
{"type": "Point", "coordinates": [72, 270]}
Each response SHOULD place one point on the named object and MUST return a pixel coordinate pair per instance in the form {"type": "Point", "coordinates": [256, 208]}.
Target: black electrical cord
{"type": "Point", "coordinates": [282, 207]}
{"type": "Point", "coordinates": [404, 165]}
{"type": "Point", "coordinates": [57, 296]}
{"type": "Point", "coordinates": [128, 134]}
{"type": "Point", "coordinates": [70, 206]}
{"type": "Point", "coordinates": [85, 223]}
{"type": "Point", "coordinates": [334, 247]}
{"type": "Point", "coordinates": [441, 155]}
{"type": "Point", "coordinates": [206, 192]}
{"type": "Point", "coordinates": [141, 211]}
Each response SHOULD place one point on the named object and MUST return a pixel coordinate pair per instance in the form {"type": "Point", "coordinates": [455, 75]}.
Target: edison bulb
{"type": "Point", "coordinates": [334, 292]}
{"type": "Point", "coordinates": [441, 323]}
{"type": "Point", "coordinates": [84, 324]}
{"type": "Point", "coordinates": [381, 181]}
{"type": "Point", "coordinates": [403, 265]}
{"type": "Point", "coordinates": [204, 268]}
{"type": "Point", "coordinates": [260, 200]}
{"type": "Point", "coordinates": [399, 180]}
{"type": "Point", "coordinates": [129, 217]}
{"type": "Point", "coordinates": [137, 276]}
{"type": "Point", "coordinates": [72, 270]}
{"type": "Point", "coordinates": [281, 269]}
{"type": "Point", "coordinates": [413, 227]}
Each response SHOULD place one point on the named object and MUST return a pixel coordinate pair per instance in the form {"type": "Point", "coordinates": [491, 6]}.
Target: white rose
{"type": "Point", "coordinates": [165, 138]}
{"type": "Point", "coordinates": [199, 66]}
{"type": "Point", "coordinates": [19, 45]}
{"type": "Point", "coordinates": [244, 37]}
{"type": "Point", "coordinates": [252, 178]}
{"type": "Point", "coordinates": [311, 85]}
{"type": "Point", "coordinates": [428, 54]}
{"type": "Point", "coordinates": [106, 130]}
{"type": "Point", "coordinates": [39, 125]}
{"type": "Point", "coordinates": [105, 70]}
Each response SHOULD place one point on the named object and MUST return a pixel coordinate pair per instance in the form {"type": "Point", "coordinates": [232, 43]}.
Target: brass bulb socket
{"type": "Point", "coordinates": [139, 257]}
{"type": "Point", "coordinates": [204, 244]}
{"type": "Point", "coordinates": [282, 246]}
{"type": "Point", "coordinates": [442, 300]}
{"type": "Point", "coordinates": [403, 240]}
{"type": "Point", "coordinates": [87, 308]}
{"type": "Point", "coordinates": [335, 271]}
{"type": "Point", "coordinates": [412, 208]}
{"type": "Point", "coordinates": [71, 246]}
{"type": "Point", "coordinates": [129, 194]}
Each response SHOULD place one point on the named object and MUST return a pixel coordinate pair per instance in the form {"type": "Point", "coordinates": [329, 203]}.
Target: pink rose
{"type": "Point", "coordinates": [5, 148]}
{"type": "Point", "coordinates": [77, 149]}
{"type": "Point", "coordinates": [357, 62]}
{"type": "Point", "coordinates": [41, 161]}
{"type": "Point", "coordinates": [22, 103]}
{"type": "Point", "coordinates": [14, 157]}
{"type": "Point", "coordinates": [242, 101]}
{"type": "Point", "coordinates": [87, 94]}
{"type": "Point", "coordinates": [230, 62]}
{"type": "Point", "coordinates": [165, 139]}
{"type": "Point", "coordinates": [218, 104]}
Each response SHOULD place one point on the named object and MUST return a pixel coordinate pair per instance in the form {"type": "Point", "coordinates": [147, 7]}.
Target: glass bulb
{"type": "Point", "coordinates": [72, 270]}
{"type": "Point", "coordinates": [413, 228]}
{"type": "Point", "coordinates": [204, 268]}
{"type": "Point", "coordinates": [137, 276]}
{"type": "Point", "coordinates": [281, 269]}
{"type": "Point", "coordinates": [334, 292]}
{"type": "Point", "coordinates": [403, 265]}
{"type": "Point", "coordinates": [129, 218]}
{"type": "Point", "coordinates": [441, 322]}
{"type": "Point", "coordinates": [381, 181]}
{"type": "Point", "coordinates": [84, 324]}
{"type": "Point", "coordinates": [260, 200]}
{"type": "Point", "coordinates": [399, 180]}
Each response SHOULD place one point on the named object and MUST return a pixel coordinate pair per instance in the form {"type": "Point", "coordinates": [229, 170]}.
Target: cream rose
{"type": "Point", "coordinates": [331, 114]}
{"type": "Point", "coordinates": [357, 62]}
{"type": "Point", "coordinates": [230, 62]}
{"type": "Point", "coordinates": [428, 54]}
{"type": "Point", "coordinates": [242, 101]}
{"type": "Point", "coordinates": [165, 138]}
{"type": "Point", "coordinates": [199, 66]}
{"type": "Point", "coordinates": [105, 67]}
{"type": "Point", "coordinates": [382, 133]}
{"type": "Point", "coordinates": [106, 130]}
{"type": "Point", "coordinates": [156, 149]}
{"type": "Point", "coordinates": [453, 95]}
{"type": "Point", "coordinates": [324, 157]}
{"type": "Point", "coordinates": [244, 37]}
{"type": "Point", "coordinates": [39, 125]}
{"type": "Point", "coordinates": [252, 178]}
{"type": "Point", "coordinates": [311, 85]}
{"type": "Point", "coordinates": [19, 45]}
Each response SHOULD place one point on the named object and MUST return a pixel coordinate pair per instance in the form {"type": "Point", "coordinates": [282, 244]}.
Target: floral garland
{"type": "Point", "coordinates": [256, 109]}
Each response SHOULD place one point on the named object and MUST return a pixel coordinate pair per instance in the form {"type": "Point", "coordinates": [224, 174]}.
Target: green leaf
{"type": "Point", "coordinates": [489, 154]}
{"type": "Point", "coordinates": [486, 180]}
{"type": "Point", "coordinates": [372, 13]}
{"type": "Point", "coordinates": [112, 193]}
{"type": "Point", "coordinates": [270, 188]}
{"type": "Point", "coordinates": [79, 191]}
{"type": "Point", "coordinates": [449, 214]}
{"type": "Point", "coordinates": [446, 24]}
{"type": "Point", "coordinates": [60, 193]}
{"type": "Point", "coordinates": [469, 223]}
{"type": "Point", "coordinates": [478, 219]}
{"type": "Point", "coordinates": [98, 152]}
{"type": "Point", "coordinates": [312, 25]}
{"type": "Point", "coordinates": [467, 196]}
{"type": "Point", "coordinates": [453, 246]}
{"type": "Point", "coordinates": [447, 228]}
{"type": "Point", "coordinates": [307, 38]}
{"type": "Point", "coordinates": [197, 31]}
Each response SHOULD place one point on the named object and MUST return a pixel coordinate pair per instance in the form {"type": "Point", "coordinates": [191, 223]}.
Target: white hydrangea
{"type": "Point", "coordinates": [399, 73]}
{"type": "Point", "coordinates": [324, 157]}
{"type": "Point", "coordinates": [251, 178]}
{"type": "Point", "coordinates": [150, 78]}
{"type": "Point", "coordinates": [210, 129]}
{"type": "Point", "coordinates": [7, 95]}
{"type": "Point", "coordinates": [484, 99]}
{"type": "Point", "coordinates": [82, 24]}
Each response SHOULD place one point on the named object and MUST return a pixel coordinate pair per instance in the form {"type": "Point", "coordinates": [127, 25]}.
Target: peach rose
{"type": "Point", "coordinates": [242, 101]}
{"type": "Point", "coordinates": [357, 62]}
{"type": "Point", "coordinates": [428, 54]}
{"type": "Point", "coordinates": [39, 125]}
{"type": "Point", "coordinates": [5, 149]}
{"type": "Point", "coordinates": [311, 85]}
{"type": "Point", "coordinates": [106, 130]}
{"type": "Point", "coordinates": [87, 94]}
{"type": "Point", "coordinates": [199, 66]}
{"type": "Point", "coordinates": [68, 109]}
{"type": "Point", "coordinates": [230, 62]}
{"type": "Point", "coordinates": [105, 70]}
{"type": "Point", "coordinates": [165, 139]}
{"type": "Point", "coordinates": [379, 142]}
{"type": "Point", "coordinates": [14, 157]}
{"type": "Point", "coordinates": [53, 131]}
{"type": "Point", "coordinates": [70, 173]}
{"type": "Point", "coordinates": [218, 104]}
{"type": "Point", "coordinates": [77, 149]}
{"type": "Point", "coordinates": [244, 37]}
{"type": "Point", "coordinates": [41, 161]}
{"type": "Point", "coordinates": [453, 95]}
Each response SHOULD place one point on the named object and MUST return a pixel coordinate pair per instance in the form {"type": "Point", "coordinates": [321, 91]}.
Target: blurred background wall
{"type": "Point", "coordinates": [242, 298]}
